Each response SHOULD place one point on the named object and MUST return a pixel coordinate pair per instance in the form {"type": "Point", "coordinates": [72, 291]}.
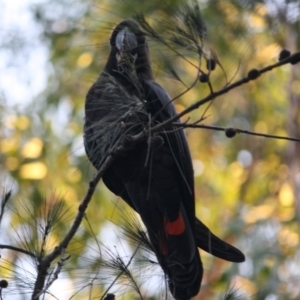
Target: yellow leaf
{"type": "Point", "coordinates": [33, 148]}
{"type": "Point", "coordinates": [286, 195]}
{"type": "Point", "coordinates": [35, 170]}
{"type": "Point", "coordinates": [84, 60]}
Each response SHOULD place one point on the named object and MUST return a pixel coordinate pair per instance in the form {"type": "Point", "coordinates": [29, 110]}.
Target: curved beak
{"type": "Point", "coordinates": [126, 40]}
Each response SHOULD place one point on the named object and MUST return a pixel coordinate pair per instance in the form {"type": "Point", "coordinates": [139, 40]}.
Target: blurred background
{"type": "Point", "coordinates": [247, 187]}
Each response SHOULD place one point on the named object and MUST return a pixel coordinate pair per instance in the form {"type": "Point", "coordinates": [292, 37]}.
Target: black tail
{"type": "Point", "coordinates": [210, 243]}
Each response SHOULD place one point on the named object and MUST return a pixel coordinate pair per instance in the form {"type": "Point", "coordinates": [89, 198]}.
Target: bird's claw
{"type": "Point", "coordinates": [156, 142]}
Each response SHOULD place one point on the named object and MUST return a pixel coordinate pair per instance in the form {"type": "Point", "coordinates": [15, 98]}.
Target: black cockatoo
{"type": "Point", "coordinates": [155, 175]}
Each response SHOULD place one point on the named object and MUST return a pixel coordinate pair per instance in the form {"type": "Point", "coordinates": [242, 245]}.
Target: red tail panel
{"type": "Point", "coordinates": [176, 227]}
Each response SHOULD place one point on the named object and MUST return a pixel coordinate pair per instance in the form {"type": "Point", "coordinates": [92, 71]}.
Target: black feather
{"type": "Point", "coordinates": [158, 181]}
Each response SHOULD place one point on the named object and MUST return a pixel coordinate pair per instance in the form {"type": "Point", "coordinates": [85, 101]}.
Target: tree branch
{"type": "Point", "coordinates": [18, 250]}
{"type": "Point", "coordinates": [237, 130]}
{"type": "Point", "coordinates": [293, 59]}
{"type": "Point", "coordinates": [45, 262]}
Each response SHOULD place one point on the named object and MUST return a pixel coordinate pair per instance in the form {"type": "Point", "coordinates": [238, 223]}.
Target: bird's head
{"type": "Point", "coordinates": [127, 39]}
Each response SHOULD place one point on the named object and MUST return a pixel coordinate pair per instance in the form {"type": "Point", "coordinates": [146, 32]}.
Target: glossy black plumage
{"type": "Point", "coordinates": [155, 176]}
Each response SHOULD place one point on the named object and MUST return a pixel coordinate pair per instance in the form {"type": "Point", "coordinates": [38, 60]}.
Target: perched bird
{"type": "Point", "coordinates": [155, 175]}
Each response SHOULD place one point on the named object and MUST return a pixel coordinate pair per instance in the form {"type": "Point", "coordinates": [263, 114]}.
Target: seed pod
{"type": "Point", "coordinates": [211, 64]}
{"type": "Point", "coordinates": [230, 132]}
{"type": "Point", "coordinates": [203, 78]}
{"type": "Point", "coordinates": [110, 297]}
{"type": "Point", "coordinates": [253, 74]}
{"type": "Point", "coordinates": [295, 59]}
{"type": "Point", "coordinates": [284, 54]}
{"type": "Point", "coordinates": [3, 284]}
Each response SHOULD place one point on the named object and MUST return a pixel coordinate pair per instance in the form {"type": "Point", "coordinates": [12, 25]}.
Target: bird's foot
{"type": "Point", "coordinates": [156, 141]}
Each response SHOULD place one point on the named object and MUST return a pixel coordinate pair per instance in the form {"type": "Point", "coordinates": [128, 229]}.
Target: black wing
{"type": "Point", "coordinates": [159, 103]}
{"type": "Point", "coordinates": [205, 239]}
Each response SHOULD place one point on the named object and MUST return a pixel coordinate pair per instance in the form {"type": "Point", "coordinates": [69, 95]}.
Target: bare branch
{"type": "Point", "coordinates": [60, 264]}
{"type": "Point", "coordinates": [6, 196]}
{"type": "Point", "coordinates": [18, 250]}
{"type": "Point", "coordinates": [237, 130]}
{"type": "Point", "coordinates": [124, 269]}
{"type": "Point", "coordinates": [45, 262]}
{"type": "Point", "coordinates": [293, 59]}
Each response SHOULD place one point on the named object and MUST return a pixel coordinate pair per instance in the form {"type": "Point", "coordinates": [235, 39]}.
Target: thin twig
{"type": "Point", "coordinates": [182, 93]}
{"type": "Point", "coordinates": [118, 276]}
{"type": "Point", "coordinates": [99, 249]}
{"type": "Point", "coordinates": [18, 250]}
{"type": "Point", "coordinates": [60, 264]}
{"type": "Point", "coordinates": [225, 90]}
{"type": "Point", "coordinates": [237, 130]}
{"type": "Point", "coordinates": [4, 201]}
